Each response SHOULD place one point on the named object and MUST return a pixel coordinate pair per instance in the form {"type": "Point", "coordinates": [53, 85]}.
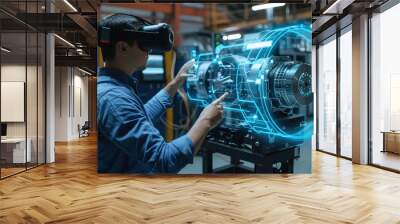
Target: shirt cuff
{"type": "Point", "coordinates": [164, 98]}
{"type": "Point", "coordinates": [185, 145]}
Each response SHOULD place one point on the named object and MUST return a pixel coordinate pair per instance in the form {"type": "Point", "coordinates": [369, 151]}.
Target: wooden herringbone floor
{"type": "Point", "coordinates": [70, 191]}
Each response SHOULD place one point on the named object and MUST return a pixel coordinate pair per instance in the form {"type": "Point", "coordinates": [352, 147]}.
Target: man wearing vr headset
{"type": "Point", "coordinates": [128, 140]}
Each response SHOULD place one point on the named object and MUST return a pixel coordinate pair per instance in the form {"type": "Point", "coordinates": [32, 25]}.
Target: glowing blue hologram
{"type": "Point", "coordinates": [268, 81]}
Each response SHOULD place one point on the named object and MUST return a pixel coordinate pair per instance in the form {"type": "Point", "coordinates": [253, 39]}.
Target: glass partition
{"type": "Point", "coordinates": [327, 96]}
{"type": "Point", "coordinates": [346, 93]}
{"type": "Point", "coordinates": [385, 89]}
{"type": "Point", "coordinates": [22, 78]}
{"type": "Point", "coordinates": [14, 153]}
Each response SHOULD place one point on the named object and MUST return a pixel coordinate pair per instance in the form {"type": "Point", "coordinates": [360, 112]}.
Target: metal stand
{"type": "Point", "coordinates": [263, 163]}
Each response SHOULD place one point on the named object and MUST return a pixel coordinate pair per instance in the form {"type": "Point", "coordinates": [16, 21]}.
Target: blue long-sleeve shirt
{"type": "Point", "coordinates": [127, 138]}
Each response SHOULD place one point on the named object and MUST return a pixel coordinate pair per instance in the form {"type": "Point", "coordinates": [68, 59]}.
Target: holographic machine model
{"type": "Point", "coordinates": [269, 109]}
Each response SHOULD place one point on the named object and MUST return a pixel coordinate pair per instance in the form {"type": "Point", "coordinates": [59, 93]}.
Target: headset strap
{"type": "Point", "coordinates": [105, 35]}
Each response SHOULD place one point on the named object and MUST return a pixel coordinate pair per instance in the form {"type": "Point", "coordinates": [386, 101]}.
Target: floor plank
{"type": "Point", "coordinates": [71, 191]}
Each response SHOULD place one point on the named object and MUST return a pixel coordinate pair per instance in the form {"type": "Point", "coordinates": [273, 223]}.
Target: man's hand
{"type": "Point", "coordinates": [208, 119]}
{"type": "Point", "coordinates": [213, 113]}
{"type": "Point", "coordinates": [179, 79]}
{"type": "Point", "coordinates": [182, 75]}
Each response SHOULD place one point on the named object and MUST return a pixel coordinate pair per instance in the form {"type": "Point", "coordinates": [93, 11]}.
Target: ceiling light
{"type": "Point", "coordinates": [5, 50]}
{"type": "Point", "coordinates": [70, 5]}
{"type": "Point", "coordinates": [266, 6]}
{"type": "Point", "coordinates": [230, 29]}
{"type": "Point", "coordinates": [84, 71]}
{"type": "Point", "coordinates": [333, 6]}
{"type": "Point", "coordinates": [257, 45]}
{"type": "Point", "coordinates": [65, 41]}
{"type": "Point", "coordinates": [232, 36]}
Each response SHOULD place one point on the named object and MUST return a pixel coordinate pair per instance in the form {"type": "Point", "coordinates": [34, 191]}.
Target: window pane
{"type": "Point", "coordinates": [346, 94]}
{"type": "Point", "coordinates": [327, 97]}
{"type": "Point", "coordinates": [385, 88]}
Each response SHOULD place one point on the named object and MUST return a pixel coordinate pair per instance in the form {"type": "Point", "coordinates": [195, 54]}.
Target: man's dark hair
{"type": "Point", "coordinates": [118, 22]}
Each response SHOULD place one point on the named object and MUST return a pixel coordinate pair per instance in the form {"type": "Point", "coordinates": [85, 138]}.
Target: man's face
{"type": "Point", "coordinates": [132, 56]}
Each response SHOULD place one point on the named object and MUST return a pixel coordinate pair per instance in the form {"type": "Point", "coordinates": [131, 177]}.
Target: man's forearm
{"type": "Point", "coordinates": [198, 133]}
{"type": "Point", "coordinates": [171, 88]}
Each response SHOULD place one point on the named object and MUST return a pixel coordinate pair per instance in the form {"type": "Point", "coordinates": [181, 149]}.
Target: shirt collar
{"type": "Point", "coordinates": [119, 75]}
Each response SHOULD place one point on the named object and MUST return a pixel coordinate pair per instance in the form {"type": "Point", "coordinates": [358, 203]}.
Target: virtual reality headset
{"type": "Point", "coordinates": [150, 37]}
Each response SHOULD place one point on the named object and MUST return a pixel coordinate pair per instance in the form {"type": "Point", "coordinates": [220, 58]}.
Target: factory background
{"type": "Point", "coordinates": [48, 103]}
{"type": "Point", "coordinates": [200, 32]}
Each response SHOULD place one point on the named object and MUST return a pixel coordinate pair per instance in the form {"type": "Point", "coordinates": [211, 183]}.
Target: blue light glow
{"type": "Point", "coordinates": [257, 75]}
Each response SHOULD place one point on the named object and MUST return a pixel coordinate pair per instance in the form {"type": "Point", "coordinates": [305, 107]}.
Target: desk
{"type": "Point", "coordinates": [13, 150]}
{"type": "Point", "coordinates": [391, 141]}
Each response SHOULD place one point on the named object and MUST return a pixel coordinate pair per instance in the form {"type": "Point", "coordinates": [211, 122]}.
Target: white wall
{"type": "Point", "coordinates": [80, 102]}
{"type": "Point", "coordinates": [71, 94]}
{"type": "Point", "coordinates": [16, 73]}
{"type": "Point", "coordinates": [61, 103]}
{"type": "Point", "coordinates": [33, 127]}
